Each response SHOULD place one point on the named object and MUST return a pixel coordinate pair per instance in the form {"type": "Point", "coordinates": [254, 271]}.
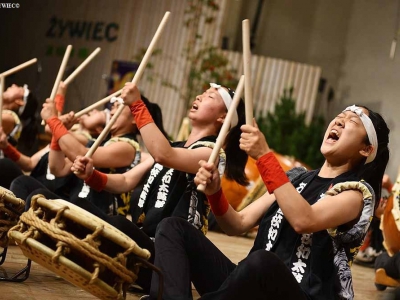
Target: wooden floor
{"type": "Point", "coordinates": [43, 285]}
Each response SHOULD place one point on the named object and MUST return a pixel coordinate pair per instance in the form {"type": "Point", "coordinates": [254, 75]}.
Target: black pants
{"type": "Point", "coordinates": [185, 255]}
{"type": "Point", "coordinates": [390, 264]}
{"type": "Point", "coordinates": [9, 170]}
{"type": "Point", "coordinates": [26, 187]}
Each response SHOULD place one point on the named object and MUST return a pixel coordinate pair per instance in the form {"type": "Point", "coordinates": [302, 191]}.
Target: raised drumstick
{"type": "Point", "coordinates": [248, 92]}
{"type": "Point", "coordinates": [97, 104]}
{"type": "Point", "coordinates": [135, 80]}
{"type": "Point", "coordinates": [60, 74]}
{"type": "Point", "coordinates": [82, 66]}
{"type": "Point", "coordinates": [19, 67]}
{"type": "Point", "coordinates": [225, 126]}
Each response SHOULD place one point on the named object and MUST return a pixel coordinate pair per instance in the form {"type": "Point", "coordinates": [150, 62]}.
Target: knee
{"type": "Point", "coordinates": [170, 225]}
{"type": "Point", "coordinates": [170, 222]}
{"type": "Point", "coordinates": [261, 260]}
{"type": "Point", "coordinates": [18, 182]}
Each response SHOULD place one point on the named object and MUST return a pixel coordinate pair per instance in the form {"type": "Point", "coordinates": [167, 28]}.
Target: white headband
{"type": "Point", "coordinates": [369, 127]}
{"type": "Point", "coordinates": [227, 100]}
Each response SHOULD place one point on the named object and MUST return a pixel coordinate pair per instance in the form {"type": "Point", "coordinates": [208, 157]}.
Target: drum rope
{"type": "Point", "coordinates": [9, 214]}
{"type": "Point", "coordinates": [69, 240]}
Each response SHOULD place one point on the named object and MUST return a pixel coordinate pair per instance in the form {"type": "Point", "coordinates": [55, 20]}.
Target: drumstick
{"type": "Point", "coordinates": [248, 92]}
{"type": "Point", "coordinates": [82, 66]}
{"type": "Point", "coordinates": [60, 74]}
{"type": "Point", "coordinates": [97, 104]}
{"type": "Point", "coordinates": [225, 127]}
{"type": "Point", "coordinates": [135, 80]}
{"type": "Point", "coordinates": [105, 131]}
{"type": "Point", "coordinates": [1, 99]}
{"type": "Point", "coordinates": [19, 67]}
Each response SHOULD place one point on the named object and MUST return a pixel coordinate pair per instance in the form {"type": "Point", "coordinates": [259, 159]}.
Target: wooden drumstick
{"type": "Point", "coordinates": [248, 92]}
{"type": "Point", "coordinates": [82, 66]}
{"type": "Point", "coordinates": [105, 131]}
{"type": "Point", "coordinates": [135, 80]}
{"type": "Point", "coordinates": [2, 81]}
{"type": "Point", "coordinates": [19, 67]}
{"type": "Point", "coordinates": [97, 104]}
{"type": "Point", "coordinates": [60, 74]}
{"type": "Point", "coordinates": [225, 127]}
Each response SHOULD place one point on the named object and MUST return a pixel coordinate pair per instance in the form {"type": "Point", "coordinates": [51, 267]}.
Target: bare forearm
{"type": "Point", "coordinates": [58, 164]}
{"type": "Point", "coordinates": [120, 183]}
{"type": "Point", "coordinates": [232, 222]}
{"type": "Point", "coordinates": [71, 147]}
{"type": "Point", "coordinates": [156, 143]}
{"type": "Point", "coordinates": [25, 163]}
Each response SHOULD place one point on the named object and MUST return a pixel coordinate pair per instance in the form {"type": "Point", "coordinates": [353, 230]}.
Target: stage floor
{"type": "Point", "coordinates": [43, 284]}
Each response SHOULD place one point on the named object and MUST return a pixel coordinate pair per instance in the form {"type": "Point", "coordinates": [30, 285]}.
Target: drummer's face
{"type": "Point", "coordinates": [124, 121]}
{"type": "Point", "coordinates": [208, 106]}
{"type": "Point", "coordinates": [93, 119]}
{"type": "Point", "coordinates": [345, 137]}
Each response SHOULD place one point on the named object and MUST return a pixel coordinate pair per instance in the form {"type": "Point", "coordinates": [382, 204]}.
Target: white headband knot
{"type": "Point", "coordinates": [226, 97]}
{"type": "Point", "coordinates": [369, 128]}
{"type": "Point", "coordinates": [117, 99]}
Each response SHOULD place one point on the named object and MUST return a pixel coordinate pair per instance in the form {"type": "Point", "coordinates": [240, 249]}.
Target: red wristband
{"type": "Point", "coordinates": [97, 180]}
{"type": "Point", "coordinates": [218, 203]}
{"type": "Point", "coordinates": [271, 172]}
{"type": "Point", "coordinates": [57, 128]}
{"type": "Point", "coordinates": [59, 101]}
{"type": "Point", "coordinates": [12, 153]}
{"type": "Point", "coordinates": [54, 145]}
{"type": "Point", "coordinates": [141, 114]}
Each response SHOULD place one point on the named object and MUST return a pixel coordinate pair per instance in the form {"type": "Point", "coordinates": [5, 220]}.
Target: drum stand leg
{"type": "Point", "coordinates": [20, 276]}
{"type": "Point", "coordinates": [159, 273]}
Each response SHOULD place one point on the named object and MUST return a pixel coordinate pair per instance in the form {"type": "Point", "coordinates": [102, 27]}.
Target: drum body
{"type": "Point", "coordinates": [78, 246]}
{"type": "Point", "coordinates": [11, 208]}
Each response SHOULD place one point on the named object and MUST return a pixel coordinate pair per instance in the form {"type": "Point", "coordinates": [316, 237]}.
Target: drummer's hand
{"type": "Point", "coordinates": [208, 175]}
{"type": "Point", "coordinates": [69, 119]}
{"type": "Point", "coordinates": [3, 139]}
{"type": "Point", "coordinates": [387, 183]}
{"type": "Point", "coordinates": [62, 88]}
{"type": "Point", "coordinates": [130, 93]}
{"type": "Point", "coordinates": [49, 110]}
{"type": "Point", "coordinates": [381, 207]}
{"type": "Point", "coordinates": [82, 167]}
{"type": "Point", "coordinates": [253, 142]}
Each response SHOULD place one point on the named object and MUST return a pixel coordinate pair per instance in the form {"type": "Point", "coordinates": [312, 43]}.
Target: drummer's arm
{"type": "Point", "coordinates": [235, 223]}
{"type": "Point", "coordinates": [59, 165]}
{"type": "Point", "coordinates": [231, 221]}
{"type": "Point", "coordinates": [114, 183]}
{"type": "Point", "coordinates": [120, 183]}
{"type": "Point", "coordinates": [7, 122]}
{"type": "Point", "coordinates": [26, 163]}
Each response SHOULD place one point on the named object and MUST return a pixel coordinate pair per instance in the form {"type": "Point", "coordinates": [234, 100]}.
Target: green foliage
{"type": "Point", "coordinates": [287, 132]}
{"type": "Point", "coordinates": [209, 65]}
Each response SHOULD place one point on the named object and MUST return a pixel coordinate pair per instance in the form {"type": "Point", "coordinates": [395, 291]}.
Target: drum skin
{"type": "Point", "coordinates": [235, 192]}
{"type": "Point", "coordinates": [390, 231]}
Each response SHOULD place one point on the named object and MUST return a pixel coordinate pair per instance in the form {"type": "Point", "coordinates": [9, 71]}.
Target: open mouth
{"type": "Point", "coordinates": [333, 135]}
{"type": "Point", "coordinates": [195, 107]}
